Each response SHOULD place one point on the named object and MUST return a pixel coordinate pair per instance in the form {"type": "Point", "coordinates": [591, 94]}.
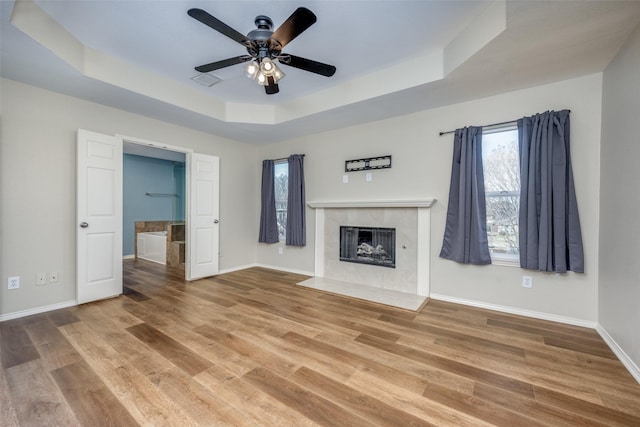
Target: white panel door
{"type": "Point", "coordinates": [202, 223]}
{"type": "Point", "coordinates": [99, 216]}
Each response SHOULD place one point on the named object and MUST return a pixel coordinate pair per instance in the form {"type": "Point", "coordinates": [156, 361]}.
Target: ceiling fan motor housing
{"type": "Point", "coordinates": [262, 45]}
{"type": "Point", "coordinates": [263, 22]}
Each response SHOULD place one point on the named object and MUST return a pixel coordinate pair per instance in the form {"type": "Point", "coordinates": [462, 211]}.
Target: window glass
{"type": "Point", "coordinates": [281, 184]}
{"type": "Point", "coordinates": [502, 187]}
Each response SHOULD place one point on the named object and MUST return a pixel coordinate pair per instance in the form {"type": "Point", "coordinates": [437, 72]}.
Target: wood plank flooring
{"type": "Point", "coordinates": [251, 349]}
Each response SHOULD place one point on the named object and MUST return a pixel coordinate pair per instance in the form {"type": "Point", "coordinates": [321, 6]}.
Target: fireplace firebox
{"type": "Point", "coordinates": [368, 245]}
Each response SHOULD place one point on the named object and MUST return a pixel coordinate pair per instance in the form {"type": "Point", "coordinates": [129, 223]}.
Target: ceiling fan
{"type": "Point", "coordinates": [264, 47]}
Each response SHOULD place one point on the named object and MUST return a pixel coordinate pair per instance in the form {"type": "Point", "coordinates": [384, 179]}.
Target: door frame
{"type": "Point", "coordinates": [166, 147]}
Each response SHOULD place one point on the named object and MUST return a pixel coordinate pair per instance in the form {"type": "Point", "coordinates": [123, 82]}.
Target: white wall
{"type": "Point", "coordinates": [421, 169]}
{"type": "Point", "coordinates": [38, 187]}
{"type": "Point", "coordinates": [619, 295]}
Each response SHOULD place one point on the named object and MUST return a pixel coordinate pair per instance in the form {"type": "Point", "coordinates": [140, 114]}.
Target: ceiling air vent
{"type": "Point", "coordinates": [206, 79]}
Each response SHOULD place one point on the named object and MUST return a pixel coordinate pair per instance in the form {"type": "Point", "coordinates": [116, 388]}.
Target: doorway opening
{"type": "Point", "coordinates": [154, 194]}
{"type": "Point", "coordinates": [99, 212]}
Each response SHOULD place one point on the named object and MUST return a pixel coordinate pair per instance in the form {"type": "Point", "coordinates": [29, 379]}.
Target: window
{"type": "Point", "coordinates": [281, 184]}
{"type": "Point", "coordinates": [502, 187]}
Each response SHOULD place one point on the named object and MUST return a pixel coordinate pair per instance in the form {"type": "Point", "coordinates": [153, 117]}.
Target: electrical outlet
{"type": "Point", "coordinates": [280, 250]}
{"type": "Point", "coordinates": [41, 279]}
{"type": "Point", "coordinates": [527, 281]}
{"type": "Point", "coordinates": [53, 277]}
{"type": "Point", "coordinates": [368, 177]}
{"type": "Point", "coordinates": [345, 179]}
{"type": "Point", "coordinates": [13, 282]}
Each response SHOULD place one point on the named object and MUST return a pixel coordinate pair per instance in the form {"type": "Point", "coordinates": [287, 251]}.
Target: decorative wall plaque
{"type": "Point", "coordinates": [382, 162]}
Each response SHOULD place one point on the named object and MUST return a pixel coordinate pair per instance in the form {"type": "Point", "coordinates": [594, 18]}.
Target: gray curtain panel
{"type": "Point", "coordinates": [465, 235]}
{"type": "Point", "coordinates": [268, 220]}
{"type": "Point", "coordinates": [296, 217]}
{"type": "Point", "coordinates": [550, 236]}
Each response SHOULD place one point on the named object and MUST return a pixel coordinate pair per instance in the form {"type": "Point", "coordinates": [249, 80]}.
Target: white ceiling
{"type": "Point", "coordinates": [392, 57]}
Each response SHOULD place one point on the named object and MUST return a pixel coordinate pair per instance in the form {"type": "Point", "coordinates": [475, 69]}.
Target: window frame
{"type": "Point", "coordinates": [282, 237]}
{"type": "Point", "coordinates": [508, 260]}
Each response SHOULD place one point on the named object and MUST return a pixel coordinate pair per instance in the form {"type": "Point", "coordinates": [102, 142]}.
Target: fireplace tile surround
{"type": "Point", "coordinates": [407, 285]}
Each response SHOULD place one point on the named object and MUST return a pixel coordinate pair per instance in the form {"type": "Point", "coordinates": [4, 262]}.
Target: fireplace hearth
{"type": "Point", "coordinates": [368, 245]}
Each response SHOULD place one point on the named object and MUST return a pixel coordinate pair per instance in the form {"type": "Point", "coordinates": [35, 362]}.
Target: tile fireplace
{"type": "Point", "coordinates": [370, 234]}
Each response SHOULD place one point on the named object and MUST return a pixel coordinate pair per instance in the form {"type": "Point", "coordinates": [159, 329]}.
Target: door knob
{"type": "Point", "coordinates": [215, 221]}
{"type": "Point", "coordinates": [84, 225]}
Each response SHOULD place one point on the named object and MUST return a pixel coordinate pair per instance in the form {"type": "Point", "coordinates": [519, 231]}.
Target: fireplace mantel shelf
{"type": "Point", "coordinates": [416, 203]}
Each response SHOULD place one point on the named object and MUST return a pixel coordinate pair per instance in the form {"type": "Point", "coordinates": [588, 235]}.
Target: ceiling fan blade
{"type": "Point", "coordinates": [308, 65]}
{"type": "Point", "coordinates": [301, 19]}
{"type": "Point", "coordinates": [221, 64]}
{"type": "Point", "coordinates": [219, 26]}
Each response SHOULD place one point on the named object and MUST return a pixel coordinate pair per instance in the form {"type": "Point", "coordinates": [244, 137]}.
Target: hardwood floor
{"type": "Point", "coordinates": [251, 349]}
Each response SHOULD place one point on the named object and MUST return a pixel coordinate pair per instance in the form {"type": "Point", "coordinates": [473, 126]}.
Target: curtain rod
{"type": "Point", "coordinates": [284, 158]}
{"type": "Point", "coordinates": [492, 124]}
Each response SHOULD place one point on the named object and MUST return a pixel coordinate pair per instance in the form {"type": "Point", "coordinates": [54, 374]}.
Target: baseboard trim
{"type": "Point", "coordinates": [236, 268]}
{"type": "Point", "coordinates": [132, 256]}
{"type": "Point", "coordinates": [286, 270]}
{"type": "Point", "coordinates": [517, 311]}
{"type": "Point", "coordinates": [633, 369]}
{"type": "Point", "coordinates": [37, 310]}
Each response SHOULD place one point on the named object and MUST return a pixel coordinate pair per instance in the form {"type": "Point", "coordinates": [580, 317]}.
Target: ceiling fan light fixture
{"type": "Point", "coordinates": [267, 67]}
{"type": "Point", "coordinates": [263, 73]}
{"type": "Point", "coordinates": [278, 74]}
{"type": "Point", "coordinates": [251, 69]}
